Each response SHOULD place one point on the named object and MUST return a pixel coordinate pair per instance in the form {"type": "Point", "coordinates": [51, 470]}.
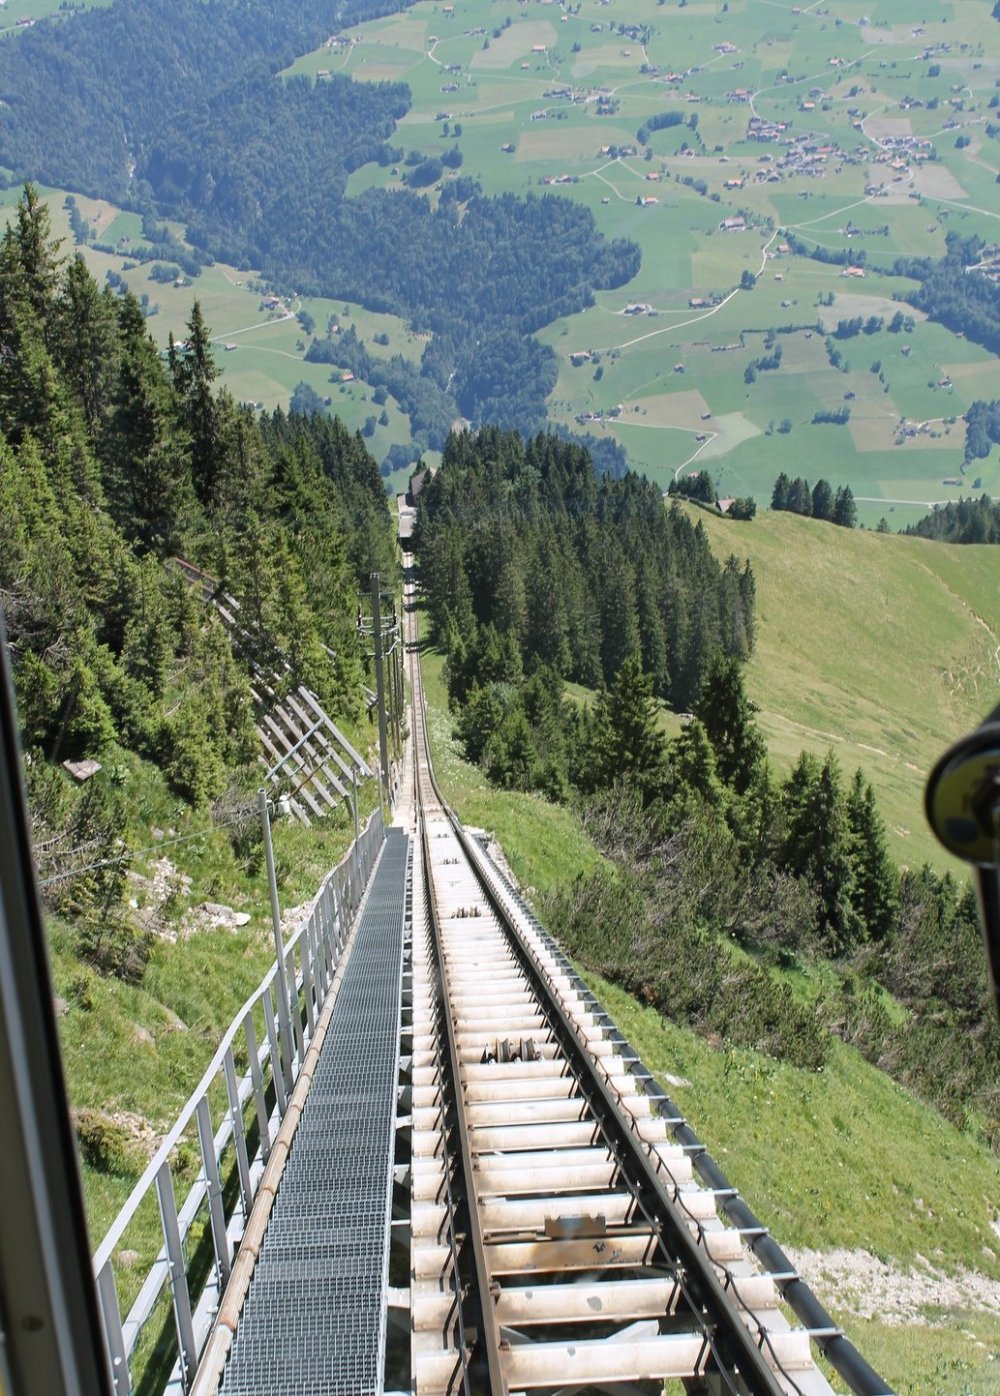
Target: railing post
{"type": "Point", "coordinates": [239, 1134]}
{"type": "Point", "coordinates": [306, 951]}
{"type": "Point", "coordinates": [316, 925]}
{"type": "Point", "coordinates": [272, 882]}
{"type": "Point", "coordinates": [187, 1349]}
{"type": "Point", "coordinates": [293, 1006]}
{"type": "Point", "coordinates": [257, 1077]}
{"type": "Point", "coordinates": [107, 1294]}
{"type": "Point", "coordinates": [329, 952]}
{"type": "Point", "coordinates": [275, 1055]}
{"type": "Point", "coordinates": [216, 1211]}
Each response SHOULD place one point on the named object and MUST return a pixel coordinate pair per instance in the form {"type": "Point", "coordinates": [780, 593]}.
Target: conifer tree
{"type": "Point", "coordinates": [845, 511]}
{"type": "Point", "coordinates": [627, 743]}
{"type": "Point", "coordinates": [728, 717]}
{"type": "Point", "coordinates": [800, 497]}
{"type": "Point", "coordinates": [691, 766]}
{"type": "Point", "coordinates": [37, 256]}
{"type": "Point", "coordinates": [818, 846]}
{"type": "Point", "coordinates": [822, 500]}
{"type": "Point", "coordinates": [194, 371]}
{"type": "Point", "coordinates": [146, 477]}
{"type": "Point", "coordinates": [87, 338]}
{"type": "Point", "coordinates": [875, 886]}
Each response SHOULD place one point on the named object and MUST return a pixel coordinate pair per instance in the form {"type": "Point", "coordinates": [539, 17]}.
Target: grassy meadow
{"type": "Point", "coordinates": [881, 648]}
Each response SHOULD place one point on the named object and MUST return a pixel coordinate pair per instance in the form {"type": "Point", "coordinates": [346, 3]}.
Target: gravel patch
{"type": "Point", "coordinates": [868, 1287]}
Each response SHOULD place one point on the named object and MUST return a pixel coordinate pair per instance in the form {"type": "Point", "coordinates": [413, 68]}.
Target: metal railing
{"type": "Point", "coordinates": [310, 961]}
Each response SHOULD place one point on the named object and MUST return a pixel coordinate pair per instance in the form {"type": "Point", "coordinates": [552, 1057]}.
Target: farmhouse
{"type": "Point", "coordinates": [734, 224]}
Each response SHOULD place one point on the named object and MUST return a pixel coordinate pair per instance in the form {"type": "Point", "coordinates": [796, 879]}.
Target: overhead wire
{"type": "Point", "coordinates": [127, 852]}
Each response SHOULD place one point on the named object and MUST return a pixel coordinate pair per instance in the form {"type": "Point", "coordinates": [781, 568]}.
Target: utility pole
{"type": "Point", "coordinates": [397, 646]}
{"type": "Point", "coordinates": [284, 1018]}
{"type": "Point", "coordinates": [383, 736]}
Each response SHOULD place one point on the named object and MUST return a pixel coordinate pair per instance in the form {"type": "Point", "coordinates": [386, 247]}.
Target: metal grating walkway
{"type": "Point", "coordinates": [314, 1319]}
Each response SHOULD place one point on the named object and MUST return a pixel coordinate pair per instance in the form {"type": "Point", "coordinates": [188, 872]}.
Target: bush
{"type": "Point", "coordinates": [744, 507]}
{"type": "Point", "coordinates": [114, 947]}
{"type": "Point", "coordinates": [106, 1146]}
{"type": "Point", "coordinates": [683, 972]}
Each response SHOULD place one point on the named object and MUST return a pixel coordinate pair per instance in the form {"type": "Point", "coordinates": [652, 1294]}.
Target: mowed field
{"type": "Point", "coordinates": [810, 120]}
{"type": "Point", "coordinates": [880, 648]}
{"type": "Point", "coordinates": [16, 14]}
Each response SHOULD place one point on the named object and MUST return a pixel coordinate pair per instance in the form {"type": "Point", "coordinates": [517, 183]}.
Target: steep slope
{"type": "Point", "coordinates": [881, 647]}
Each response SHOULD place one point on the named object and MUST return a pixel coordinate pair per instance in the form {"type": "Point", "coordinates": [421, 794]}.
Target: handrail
{"type": "Point", "coordinates": [317, 946]}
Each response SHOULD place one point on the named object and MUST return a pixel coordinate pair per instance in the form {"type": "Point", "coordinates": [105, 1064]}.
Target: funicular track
{"type": "Point", "coordinates": [568, 1231]}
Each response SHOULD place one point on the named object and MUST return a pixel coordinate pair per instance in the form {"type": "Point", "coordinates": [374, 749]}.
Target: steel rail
{"type": "Point", "coordinates": [489, 1332]}
{"type": "Point", "coordinates": [733, 1342]}
{"type": "Point", "coordinates": [832, 1342]}
{"type": "Point", "coordinates": [487, 1327]}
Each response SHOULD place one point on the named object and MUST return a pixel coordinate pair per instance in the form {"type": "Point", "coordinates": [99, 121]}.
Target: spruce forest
{"type": "Point", "coordinates": [113, 462]}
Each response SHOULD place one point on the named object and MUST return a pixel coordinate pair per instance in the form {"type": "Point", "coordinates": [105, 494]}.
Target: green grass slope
{"type": "Point", "coordinates": [882, 648]}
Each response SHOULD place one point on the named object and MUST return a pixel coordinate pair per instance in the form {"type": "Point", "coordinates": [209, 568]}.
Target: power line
{"type": "Point", "coordinates": [137, 852]}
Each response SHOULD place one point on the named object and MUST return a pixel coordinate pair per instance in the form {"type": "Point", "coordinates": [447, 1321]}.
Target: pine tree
{"type": "Point", "coordinates": [822, 500]}
{"type": "Point", "coordinates": [845, 512]}
{"type": "Point", "coordinates": [627, 743]}
{"type": "Point", "coordinates": [146, 476]}
{"type": "Point", "coordinates": [194, 370]}
{"type": "Point", "coordinates": [652, 632]}
{"type": "Point", "coordinates": [800, 497]}
{"type": "Point", "coordinates": [616, 608]}
{"type": "Point", "coordinates": [818, 846]}
{"type": "Point", "coordinates": [87, 338]}
{"type": "Point", "coordinates": [876, 883]}
{"type": "Point", "coordinates": [779, 495]}
{"type": "Point", "coordinates": [728, 717]}
{"type": "Point", "coordinates": [691, 766]}
{"type": "Point", "coordinates": [37, 257]}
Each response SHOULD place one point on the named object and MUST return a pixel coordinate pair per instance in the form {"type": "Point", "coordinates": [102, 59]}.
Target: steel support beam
{"type": "Point", "coordinates": [48, 1301]}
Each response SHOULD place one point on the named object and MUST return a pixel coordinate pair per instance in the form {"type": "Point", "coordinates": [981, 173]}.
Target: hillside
{"type": "Point", "coordinates": [137, 700]}
{"type": "Point", "coordinates": [889, 1209]}
{"type": "Point", "coordinates": [883, 648]}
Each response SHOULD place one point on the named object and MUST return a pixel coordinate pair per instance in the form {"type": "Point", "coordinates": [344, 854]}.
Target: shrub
{"type": "Point", "coordinates": [106, 1146]}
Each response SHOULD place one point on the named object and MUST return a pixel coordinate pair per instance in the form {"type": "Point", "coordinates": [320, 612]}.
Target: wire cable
{"type": "Point", "coordinates": [138, 852]}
